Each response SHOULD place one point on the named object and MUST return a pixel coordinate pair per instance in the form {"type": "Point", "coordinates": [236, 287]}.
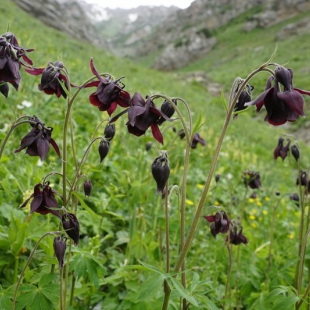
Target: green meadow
{"type": "Point", "coordinates": [121, 259]}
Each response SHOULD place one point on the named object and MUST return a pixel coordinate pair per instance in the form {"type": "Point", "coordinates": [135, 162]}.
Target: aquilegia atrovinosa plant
{"type": "Point", "coordinates": [281, 100]}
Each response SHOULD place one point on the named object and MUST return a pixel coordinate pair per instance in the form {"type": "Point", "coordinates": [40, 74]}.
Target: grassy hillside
{"type": "Point", "coordinates": [122, 224]}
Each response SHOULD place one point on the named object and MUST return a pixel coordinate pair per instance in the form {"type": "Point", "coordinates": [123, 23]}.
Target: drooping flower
{"type": "Point", "coordinates": [281, 150]}
{"type": "Point", "coordinates": [53, 79]}
{"type": "Point", "coordinates": [10, 59]}
{"type": "Point", "coordinates": [295, 197]}
{"type": "Point", "coordinates": [109, 131]}
{"type": "Point", "coordinates": [281, 106]}
{"type": "Point", "coordinates": [245, 96]}
{"type": "Point", "coordinates": [103, 149]}
{"type": "Point", "coordinates": [236, 237]}
{"type": "Point", "coordinates": [109, 93]}
{"type": "Point", "coordinates": [220, 223]}
{"type": "Point", "coordinates": [60, 245]}
{"type": "Point", "coordinates": [197, 139]}
{"type": "Point", "coordinates": [44, 201]}
{"type": "Point", "coordinates": [251, 179]}
{"type": "Point", "coordinates": [295, 152]}
{"type": "Point", "coordinates": [71, 225]}
{"type": "Point", "coordinates": [87, 187]}
{"type": "Point", "coordinates": [38, 140]}
{"type": "Point", "coordinates": [167, 109]}
{"type": "Point", "coordinates": [161, 172]}
{"type": "Point", "coordinates": [144, 114]}
{"type": "Point", "coordinates": [302, 179]}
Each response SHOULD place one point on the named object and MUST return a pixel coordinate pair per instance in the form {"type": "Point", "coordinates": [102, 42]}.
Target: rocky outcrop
{"type": "Point", "coordinates": [301, 27]}
{"type": "Point", "coordinates": [65, 15]}
{"type": "Point", "coordinates": [179, 54]}
{"type": "Point", "coordinates": [276, 11]}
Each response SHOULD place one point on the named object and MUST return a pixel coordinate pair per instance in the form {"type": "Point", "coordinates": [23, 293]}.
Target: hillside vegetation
{"type": "Point", "coordinates": [120, 261]}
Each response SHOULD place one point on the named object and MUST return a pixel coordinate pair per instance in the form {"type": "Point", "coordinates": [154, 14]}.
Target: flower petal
{"type": "Point", "coordinates": [293, 100]}
{"type": "Point", "coordinates": [156, 133]}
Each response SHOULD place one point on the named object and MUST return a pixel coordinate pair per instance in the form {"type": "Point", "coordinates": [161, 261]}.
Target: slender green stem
{"type": "Point", "coordinates": [61, 274]}
{"type": "Point", "coordinates": [72, 291]}
{"type": "Point", "coordinates": [167, 291]}
{"type": "Point", "coordinates": [197, 216]}
{"type": "Point", "coordinates": [167, 229]}
{"type": "Point", "coordinates": [73, 144]}
{"type": "Point", "coordinates": [27, 264]}
{"type": "Point", "coordinates": [228, 274]}
{"type": "Point", "coordinates": [301, 261]}
{"type": "Point", "coordinates": [16, 258]}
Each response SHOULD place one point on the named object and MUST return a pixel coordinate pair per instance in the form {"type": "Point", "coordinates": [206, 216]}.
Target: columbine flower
{"type": "Point", "coordinates": [88, 187]}
{"type": "Point", "coordinates": [109, 93]}
{"type": "Point", "coordinates": [71, 225]}
{"type": "Point", "coordinates": [236, 237]}
{"type": "Point", "coordinates": [295, 198]}
{"type": "Point", "coordinates": [219, 223]}
{"type": "Point", "coordinates": [280, 150]}
{"type": "Point", "coordinates": [197, 139]}
{"type": "Point", "coordinates": [53, 81]}
{"type": "Point", "coordinates": [60, 249]}
{"type": "Point", "coordinates": [144, 114]}
{"type": "Point", "coordinates": [251, 179]}
{"type": "Point", "coordinates": [167, 109]}
{"type": "Point", "coordinates": [245, 96]}
{"type": "Point", "coordinates": [43, 200]}
{"type": "Point", "coordinates": [38, 140]}
{"type": "Point", "coordinates": [161, 172]}
{"type": "Point", "coordinates": [281, 106]}
{"type": "Point", "coordinates": [10, 62]}
{"type": "Point", "coordinates": [302, 179]}
{"type": "Point", "coordinates": [295, 152]}
{"type": "Point", "coordinates": [109, 131]}
{"type": "Point", "coordinates": [103, 149]}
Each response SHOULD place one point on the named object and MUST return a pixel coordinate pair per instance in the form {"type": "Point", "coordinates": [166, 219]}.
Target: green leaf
{"type": "Point", "coordinates": [51, 292]}
{"type": "Point", "coordinates": [184, 292]}
{"type": "Point", "coordinates": [153, 269]}
{"type": "Point", "coordinates": [47, 279]}
{"type": "Point", "coordinates": [17, 231]}
{"type": "Point", "coordinates": [286, 303]}
{"type": "Point", "coordinates": [196, 127]}
{"type": "Point", "coordinates": [5, 301]}
{"type": "Point", "coordinates": [150, 287]}
{"type": "Point", "coordinates": [85, 206]}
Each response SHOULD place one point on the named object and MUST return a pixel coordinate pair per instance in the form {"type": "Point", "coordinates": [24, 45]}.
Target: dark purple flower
{"type": "Point", "coordinates": [295, 152]}
{"type": "Point", "coordinates": [142, 115]}
{"type": "Point", "coordinates": [281, 150]}
{"type": "Point", "coordinates": [43, 200]}
{"type": "Point", "coordinates": [60, 249]}
{"type": "Point", "coordinates": [245, 96]}
{"type": "Point", "coordinates": [10, 59]}
{"type": "Point", "coordinates": [103, 149]}
{"type": "Point", "coordinates": [87, 187]}
{"type": "Point", "coordinates": [295, 198]}
{"type": "Point", "coordinates": [4, 89]}
{"type": "Point", "coordinates": [167, 109]}
{"type": "Point", "coordinates": [71, 225]}
{"type": "Point", "coordinates": [148, 146]}
{"type": "Point", "coordinates": [251, 179]}
{"type": "Point", "coordinates": [302, 179]}
{"type": "Point", "coordinates": [53, 79]}
{"type": "Point", "coordinates": [197, 139]}
{"type": "Point", "coordinates": [161, 172]}
{"type": "Point", "coordinates": [38, 140]}
{"type": "Point", "coordinates": [109, 93]}
{"type": "Point", "coordinates": [281, 106]}
{"type": "Point", "coordinates": [219, 223]}
{"type": "Point", "coordinates": [109, 131]}
{"type": "Point", "coordinates": [217, 178]}
{"type": "Point", "coordinates": [236, 237]}
{"type": "Point", "coordinates": [181, 134]}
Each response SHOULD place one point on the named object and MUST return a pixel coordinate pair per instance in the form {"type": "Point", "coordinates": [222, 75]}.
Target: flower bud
{"type": "Point", "coordinates": [295, 152]}
{"type": "Point", "coordinates": [167, 109]}
{"type": "Point", "coordinates": [217, 178]}
{"type": "Point", "coordinates": [161, 172]}
{"type": "Point", "coordinates": [295, 198]}
{"type": "Point", "coordinates": [148, 146]}
{"type": "Point", "coordinates": [71, 225]}
{"type": "Point", "coordinates": [103, 149]}
{"type": "Point", "coordinates": [284, 76]}
{"type": "Point", "coordinates": [60, 249]}
{"type": "Point", "coordinates": [109, 131]}
{"type": "Point", "coordinates": [88, 187]}
{"type": "Point", "coordinates": [302, 179]}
